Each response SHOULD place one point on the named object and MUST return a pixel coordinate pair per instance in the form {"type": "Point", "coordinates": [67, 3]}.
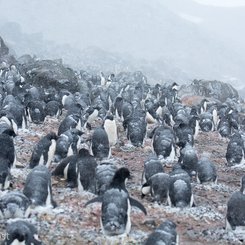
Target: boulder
{"type": "Point", "coordinates": [4, 50]}
{"type": "Point", "coordinates": [49, 73]}
{"type": "Point", "coordinates": [210, 89]}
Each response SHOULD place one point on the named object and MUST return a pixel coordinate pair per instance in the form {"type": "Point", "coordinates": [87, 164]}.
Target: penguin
{"type": "Point", "coordinates": [203, 105]}
{"type": "Point", "coordinates": [104, 174]}
{"type": "Point", "coordinates": [86, 171]}
{"type": "Point", "coordinates": [67, 168]}
{"type": "Point", "coordinates": [118, 108]}
{"type": "Point", "coordinates": [17, 111]}
{"type": "Point", "coordinates": [67, 144]}
{"type": "Point", "coordinates": [206, 122]}
{"type": "Point", "coordinates": [165, 233]}
{"type": "Point", "coordinates": [5, 175]}
{"type": "Point", "coordinates": [194, 121]}
{"type": "Point", "coordinates": [116, 206]}
{"type": "Point", "coordinates": [91, 114]}
{"type": "Point", "coordinates": [159, 187]}
{"type": "Point", "coordinates": [235, 150]}
{"type": "Point", "coordinates": [102, 79]}
{"type": "Point", "coordinates": [21, 232]}
{"type": "Point", "coordinates": [163, 143]}
{"type": "Point", "coordinates": [67, 99]}
{"type": "Point", "coordinates": [70, 121]}
{"type": "Point", "coordinates": [206, 170]}
{"type": "Point", "coordinates": [184, 133]}
{"type": "Point", "coordinates": [14, 204]}
{"type": "Point", "coordinates": [136, 128]}
{"type": "Point", "coordinates": [100, 145]}
{"type": "Point", "coordinates": [235, 216]}
{"type": "Point", "coordinates": [110, 127]}
{"type": "Point", "coordinates": [189, 159]}
{"type": "Point", "coordinates": [127, 110]}
{"type": "Point", "coordinates": [224, 127]}
{"type": "Point", "coordinates": [38, 187]}
{"type": "Point", "coordinates": [151, 111]}
{"type": "Point", "coordinates": [35, 112]}
{"type": "Point", "coordinates": [180, 190]}
{"type": "Point", "coordinates": [43, 151]}
{"type": "Point", "coordinates": [53, 109]}
{"type": "Point", "coordinates": [7, 148]}
{"type": "Point", "coordinates": [151, 166]}
{"type": "Point", "coordinates": [6, 123]}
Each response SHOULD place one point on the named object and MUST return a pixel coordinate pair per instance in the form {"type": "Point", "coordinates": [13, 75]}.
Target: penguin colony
{"type": "Point", "coordinates": [91, 126]}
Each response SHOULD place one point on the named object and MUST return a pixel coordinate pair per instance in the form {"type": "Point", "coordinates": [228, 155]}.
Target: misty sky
{"type": "Point", "coordinates": [200, 38]}
{"type": "Point", "coordinates": [223, 3]}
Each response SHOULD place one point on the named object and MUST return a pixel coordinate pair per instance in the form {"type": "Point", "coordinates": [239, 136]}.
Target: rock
{"type": "Point", "coordinates": [4, 50]}
{"type": "Point", "coordinates": [210, 89]}
{"type": "Point", "coordinates": [49, 73]}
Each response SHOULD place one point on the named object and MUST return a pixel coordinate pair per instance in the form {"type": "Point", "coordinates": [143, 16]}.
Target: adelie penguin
{"type": "Point", "coordinates": [100, 145]}
{"type": "Point", "coordinates": [136, 128]}
{"type": "Point", "coordinates": [14, 204]}
{"type": "Point", "coordinates": [53, 109]}
{"type": "Point", "coordinates": [43, 151]}
{"type": "Point", "coordinates": [235, 150]}
{"type": "Point", "coordinates": [159, 187]}
{"type": "Point", "coordinates": [163, 143]}
{"type": "Point", "coordinates": [67, 168]}
{"type": "Point", "coordinates": [116, 206]}
{"type": "Point", "coordinates": [38, 187]}
{"type": "Point", "coordinates": [235, 216]}
{"type": "Point", "coordinates": [180, 190]}
{"type": "Point", "coordinates": [70, 121]}
{"type": "Point", "coordinates": [104, 175]}
{"type": "Point", "coordinates": [206, 170]}
{"type": "Point", "coordinates": [164, 234]}
{"type": "Point", "coordinates": [151, 167]}
{"type": "Point", "coordinates": [110, 127]}
{"type": "Point", "coordinates": [21, 232]}
{"type": "Point", "coordinates": [188, 159]}
{"type": "Point", "coordinates": [67, 144]}
{"type": "Point", "coordinates": [91, 115]}
{"type": "Point", "coordinates": [86, 171]}
{"type": "Point", "coordinates": [7, 148]}
{"type": "Point", "coordinates": [7, 157]}
{"type": "Point", "coordinates": [36, 112]}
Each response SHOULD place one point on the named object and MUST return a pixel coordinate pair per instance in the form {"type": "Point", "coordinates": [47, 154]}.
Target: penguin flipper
{"type": "Point", "coordinates": [137, 204]}
{"type": "Point", "coordinates": [96, 199]}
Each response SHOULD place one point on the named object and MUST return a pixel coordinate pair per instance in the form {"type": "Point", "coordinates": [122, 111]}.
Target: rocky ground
{"type": "Point", "coordinates": [72, 223]}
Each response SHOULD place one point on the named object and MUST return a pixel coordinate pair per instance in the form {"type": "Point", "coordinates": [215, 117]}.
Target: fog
{"type": "Point", "coordinates": [176, 40]}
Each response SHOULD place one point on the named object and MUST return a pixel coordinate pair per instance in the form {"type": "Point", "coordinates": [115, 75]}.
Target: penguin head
{"type": "Point", "coordinates": [9, 132]}
{"type": "Point", "coordinates": [84, 152]}
{"type": "Point", "coordinates": [109, 117]}
{"type": "Point", "coordinates": [52, 135]}
{"type": "Point", "coordinates": [120, 177]}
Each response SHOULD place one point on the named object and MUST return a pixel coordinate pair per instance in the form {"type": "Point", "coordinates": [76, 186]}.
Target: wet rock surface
{"type": "Point", "coordinates": [211, 89]}
{"type": "Point", "coordinates": [48, 73]}
{"type": "Point", "coordinates": [72, 223]}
